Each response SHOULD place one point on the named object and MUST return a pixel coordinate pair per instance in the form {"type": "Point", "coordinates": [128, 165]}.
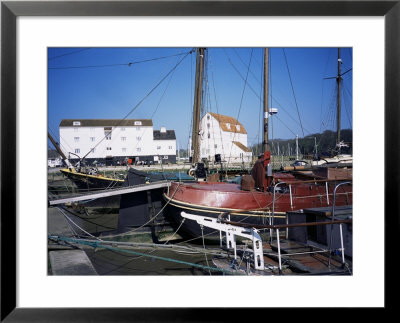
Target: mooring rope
{"type": "Point", "coordinates": [204, 247]}
{"type": "Point", "coordinates": [135, 229]}
{"type": "Point", "coordinates": [70, 220]}
{"type": "Point", "coordinates": [97, 244]}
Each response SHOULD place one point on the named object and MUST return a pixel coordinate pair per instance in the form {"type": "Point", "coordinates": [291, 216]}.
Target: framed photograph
{"type": "Point", "coordinates": [29, 29]}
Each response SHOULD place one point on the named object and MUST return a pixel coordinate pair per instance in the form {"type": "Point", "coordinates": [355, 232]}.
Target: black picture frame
{"type": "Point", "coordinates": [10, 10]}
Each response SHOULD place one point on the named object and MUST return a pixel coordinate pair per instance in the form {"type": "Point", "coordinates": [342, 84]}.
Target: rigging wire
{"type": "Point", "coordinates": [70, 53]}
{"type": "Point", "coordinates": [244, 63]}
{"type": "Point", "coordinates": [145, 97]}
{"type": "Point", "coordinates": [328, 120]}
{"type": "Point", "coordinates": [259, 97]}
{"type": "Point", "coordinates": [61, 145]}
{"type": "Point", "coordinates": [291, 83]}
{"type": "Point", "coordinates": [216, 105]}
{"type": "Point", "coordinates": [129, 64]}
{"type": "Point", "coordinates": [241, 102]}
{"type": "Point", "coordinates": [285, 125]}
{"type": "Point", "coordinates": [347, 103]}
{"type": "Point", "coordinates": [322, 94]}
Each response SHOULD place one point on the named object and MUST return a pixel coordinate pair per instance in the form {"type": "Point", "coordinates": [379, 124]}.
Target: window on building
{"type": "Point", "coordinates": [138, 138]}
{"type": "Point", "coordinates": [158, 147]}
{"type": "Point", "coordinates": [228, 125]}
{"type": "Point", "coordinates": [77, 151]}
{"type": "Point", "coordinates": [76, 123]}
{"type": "Point", "coordinates": [208, 125]}
{"type": "Point", "coordinates": [208, 117]}
{"type": "Point", "coordinates": [123, 138]}
{"type": "Point", "coordinates": [165, 157]}
{"type": "Point", "coordinates": [238, 127]}
{"type": "Point", "coordinates": [138, 149]}
{"type": "Point", "coordinates": [137, 128]}
{"type": "Point", "coordinates": [76, 129]}
{"type": "Point", "coordinates": [138, 123]}
{"type": "Point", "coordinates": [169, 147]}
{"type": "Point", "coordinates": [92, 138]}
{"type": "Point", "coordinates": [109, 148]}
{"type": "Point", "coordinates": [76, 139]}
{"type": "Point", "coordinates": [107, 132]}
{"type": "Point", "coordinates": [215, 146]}
{"type": "Point", "coordinates": [122, 129]}
{"type": "Point", "coordinates": [209, 135]}
{"type": "Point", "coordinates": [124, 150]}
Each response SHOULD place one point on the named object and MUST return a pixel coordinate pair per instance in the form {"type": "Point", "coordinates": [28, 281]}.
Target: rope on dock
{"type": "Point", "coordinates": [70, 220]}
{"type": "Point", "coordinates": [98, 244]}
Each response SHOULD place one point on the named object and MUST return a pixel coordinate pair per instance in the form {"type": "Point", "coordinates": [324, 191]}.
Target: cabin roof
{"type": "Point", "coordinates": [242, 147]}
{"type": "Point", "coordinates": [168, 135]}
{"type": "Point", "coordinates": [223, 120]}
{"type": "Point", "coordinates": [106, 122]}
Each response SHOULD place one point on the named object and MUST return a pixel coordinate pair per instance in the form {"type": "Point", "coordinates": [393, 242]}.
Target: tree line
{"type": "Point", "coordinates": [319, 143]}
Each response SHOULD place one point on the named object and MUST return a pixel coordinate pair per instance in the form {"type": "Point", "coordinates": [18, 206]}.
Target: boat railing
{"type": "Point", "coordinates": [331, 223]}
{"type": "Point", "coordinates": [294, 183]}
{"type": "Point", "coordinates": [277, 228]}
{"type": "Point", "coordinates": [286, 226]}
{"type": "Point", "coordinates": [333, 219]}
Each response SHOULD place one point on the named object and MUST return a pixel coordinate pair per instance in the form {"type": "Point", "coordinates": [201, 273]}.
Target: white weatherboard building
{"type": "Point", "coordinates": [113, 141]}
{"type": "Point", "coordinates": [223, 135]}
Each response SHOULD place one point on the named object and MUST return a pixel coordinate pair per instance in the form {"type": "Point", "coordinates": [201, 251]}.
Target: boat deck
{"type": "Point", "coordinates": [297, 259]}
{"type": "Point", "coordinates": [306, 259]}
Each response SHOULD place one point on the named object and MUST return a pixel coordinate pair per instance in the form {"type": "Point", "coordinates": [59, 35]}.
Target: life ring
{"type": "Point", "coordinates": [191, 172]}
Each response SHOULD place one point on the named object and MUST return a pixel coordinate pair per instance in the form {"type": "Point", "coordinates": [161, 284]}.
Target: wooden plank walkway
{"type": "Point", "coordinates": [71, 262]}
{"type": "Point", "coordinates": [110, 192]}
{"type": "Point", "coordinates": [65, 262]}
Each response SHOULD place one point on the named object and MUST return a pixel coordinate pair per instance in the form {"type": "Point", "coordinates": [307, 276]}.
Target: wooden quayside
{"type": "Point", "coordinates": [109, 192]}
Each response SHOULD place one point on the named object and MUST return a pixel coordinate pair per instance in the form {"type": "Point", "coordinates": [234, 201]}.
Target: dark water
{"type": "Point", "coordinates": [136, 260]}
{"type": "Point", "coordinates": [100, 220]}
{"type": "Point", "coordinates": [107, 262]}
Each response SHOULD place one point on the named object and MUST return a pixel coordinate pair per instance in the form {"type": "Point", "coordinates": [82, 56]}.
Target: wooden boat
{"type": "Point", "coordinates": [214, 199]}
{"type": "Point", "coordinates": [90, 179]}
{"type": "Point", "coordinates": [271, 196]}
{"type": "Point", "coordinates": [86, 178]}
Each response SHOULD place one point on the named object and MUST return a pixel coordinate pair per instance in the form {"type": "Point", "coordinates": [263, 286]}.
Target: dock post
{"type": "Point", "coordinates": [279, 251]}
{"type": "Point", "coordinates": [341, 242]}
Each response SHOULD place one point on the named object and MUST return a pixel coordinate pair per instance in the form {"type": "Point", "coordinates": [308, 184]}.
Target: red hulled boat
{"type": "Point", "coordinates": [280, 193]}
{"type": "Point", "coordinates": [263, 197]}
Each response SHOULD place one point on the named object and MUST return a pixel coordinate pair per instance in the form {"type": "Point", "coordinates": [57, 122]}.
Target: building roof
{"type": "Point", "coordinates": [168, 135]}
{"type": "Point", "coordinates": [223, 120]}
{"type": "Point", "coordinates": [106, 122]}
{"type": "Point", "coordinates": [242, 147]}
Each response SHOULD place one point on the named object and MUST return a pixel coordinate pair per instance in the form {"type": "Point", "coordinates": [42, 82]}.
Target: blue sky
{"type": "Point", "coordinates": [98, 83]}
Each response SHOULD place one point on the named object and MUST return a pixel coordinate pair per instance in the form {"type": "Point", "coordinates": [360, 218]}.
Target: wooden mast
{"type": "Point", "coordinates": [197, 105]}
{"type": "Point", "coordinates": [338, 115]}
{"type": "Point", "coordinates": [266, 112]}
{"type": "Point", "coordinates": [59, 151]}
